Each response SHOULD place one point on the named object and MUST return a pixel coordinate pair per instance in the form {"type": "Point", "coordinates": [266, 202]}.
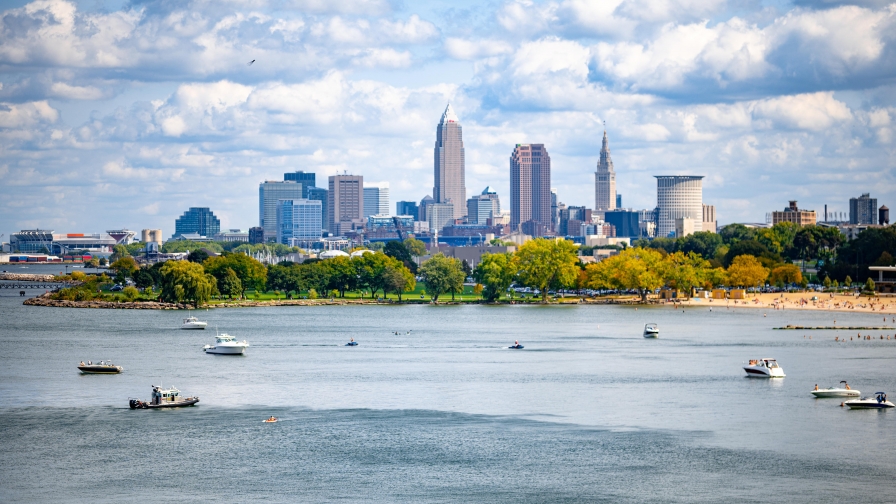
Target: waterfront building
{"type": "Point", "coordinates": [256, 235]}
{"type": "Point", "coordinates": [346, 203]}
{"type": "Point", "coordinates": [440, 215]}
{"type": "Point", "coordinates": [407, 208]}
{"type": "Point", "coordinates": [449, 165]}
{"type": "Point", "coordinates": [232, 235]}
{"type": "Point", "coordinates": [605, 179]}
{"type": "Point", "coordinates": [530, 187]}
{"type": "Point", "coordinates": [321, 194]}
{"type": "Point", "coordinates": [626, 222]}
{"type": "Point", "coordinates": [36, 241]}
{"type": "Point", "coordinates": [151, 236]}
{"type": "Point", "coordinates": [199, 220]}
{"type": "Point", "coordinates": [678, 197]}
{"type": "Point", "coordinates": [307, 179]}
{"type": "Point", "coordinates": [709, 218]}
{"type": "Point", "coordinates": [376, 199]}
{"type": "Point", "coordinates": [794, 214]}
{"type": "Point", "coordinates": [862, 210]}
{"type": "Point", "coordinates": [298, 222]}
{"type": "Point", "coordinates": [269, 193]}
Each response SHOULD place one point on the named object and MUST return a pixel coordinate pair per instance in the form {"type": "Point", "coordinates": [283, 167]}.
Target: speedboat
{"type": "Point", "coordinates": [836, 392]}
{"type": "Point", "coordinates": [104, 367]}
{"type": "Point", "coordinates": [651, 331]}
{"type": "Point", "coordinates": [879, 401]}
{"type": "Point", "coordinates": [193, 323]}
{"type": "Point", "coordinates": [764, 368]}
{"type": "Point", "coordinates": [226, 344]}
{"type": "Point", "coordinates": [163, 398]}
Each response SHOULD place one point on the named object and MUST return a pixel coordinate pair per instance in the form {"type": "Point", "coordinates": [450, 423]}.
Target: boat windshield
{"type": "Point", "coordinates": [771, 363]}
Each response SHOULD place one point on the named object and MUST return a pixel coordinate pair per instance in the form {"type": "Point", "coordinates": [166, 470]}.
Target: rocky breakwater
{"type": "Point", "coordinates": [45, 300]}
{"type": "Point", "coordinates": [27, 277]}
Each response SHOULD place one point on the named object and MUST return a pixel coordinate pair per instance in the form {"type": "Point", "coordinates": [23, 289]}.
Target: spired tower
{"type": "Point", "coordinates": [605, 180]}
{"type": "Point", "coordinates": [448, 172]}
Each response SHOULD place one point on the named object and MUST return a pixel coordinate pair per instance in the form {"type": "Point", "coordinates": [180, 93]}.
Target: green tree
{"type": "Point", "coordinates": [827, 282]}
{"type": "Point", "coordinates": [130, 293]}
{"type": "Point", "coordinates": [397, 250]}
{"type": "Point", "coordinates": [544, 264]}
{"type": "Point", "coordinates": [495, 272]}
{"type": "Point", "coordinates": [252, 274]}
{"type": "Point", "coordinates": [398, 279]}
{"type": "Point", "coordinates": [377, 246]}
{"type": "Point", "coordinates": [370, 268]}
{"type": "Point", "coordinates": [686, 271]}
{"type": "Point", "coordinates": [779, 238]}
{"type": "Point", "coordinates": [230, 285]}
{"type": "Point", "coordinates": [119, 251]}
{"type": "Point", "coordinates": [869, 285]}
{"type": "Point", "coordinates": [144, 279]}
{"type": "Point", "coordinates": [704, 243]}
{"type": "Point", "coordinates": [733, 233]}
{"type": "Point", "coordinates": [184, 281]}
{"type": "Point", "coordinates": [847, 281]}
{"type": "Point", "coordinates": [746, 271]}
{"type": "Point", "coordinates": [126, 267]}
{"type": "Point", "coordinates": [197, 256]}
{"type": "Point", "coordinates": [751, 248]}
{"type": "Point", "coordinates": [338, 273]}
{"type": "Point", "coordinates": [439, 274]}
{"type": "Point", "coordinates": [466, 267]}
{"type": "Point", "coordinates": [786, 274]}
{"type": "Point", "coordinates": [635, 268]}
{"type": "Point", "coordinates": [416, 247]}
{"type": "Point", "coordinates": [172, 246]}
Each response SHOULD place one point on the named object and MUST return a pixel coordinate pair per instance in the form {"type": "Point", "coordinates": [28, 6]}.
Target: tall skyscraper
{"type": "Point", "coordinates": [605, 179]}
{"type": "Point", "coordinates": [346, 203]}
{"type": "Point", "coordinates": [307, 179]}
{"type": "Point", "coordinates": [376, 199]}
{"type": "Point", "coordinates": [530, 186]}
{"type": "Point", "coordinates": [678, 197]}
{"type": "Point", "coordinates": [407, 208]}
{"type": "Point", "coordinates": [199, 220]}
{"type": "Point", "coordinates": [448, 173]}
{"type": "Point", "coordinates": [320, 194]}
{"type": "Point", "coordinates": [862, 210]}
{"type": "Point", "coordinates": [269, 192]}
{"type": "Point", "coordinates": [298, 222]}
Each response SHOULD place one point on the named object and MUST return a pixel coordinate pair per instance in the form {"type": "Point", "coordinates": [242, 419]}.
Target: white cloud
{"type": "Point", "coordinates": [63, 90]}
{"type": "Point", "coordinates": [815, 112]}
{"type": "Point", "coordinates": [27, 115]}
{"type": "Point", "coordinates": [465, 49]}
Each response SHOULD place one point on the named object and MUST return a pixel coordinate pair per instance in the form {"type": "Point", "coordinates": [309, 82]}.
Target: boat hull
{"type": "Point", "coordinates": [651, 335]}
{"type": "Point", "coordinates": [194, 326]}
{"type": "Point", "coordinates": [763, 372]}
{"type": "Point", "coordinates": [135, 404]}
{"type": "Point", "coordinates": [869, 404]}
{"type": "Point", "coordinates": [235, 350]}
{"type": "Point", "coordinates": [832, 392]}
{"type": "Point", "coordinates": [100, 369]}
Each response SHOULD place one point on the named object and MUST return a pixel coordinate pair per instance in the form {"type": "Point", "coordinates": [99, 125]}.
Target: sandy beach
{"type": "Point", "coordinates": [803, 301]}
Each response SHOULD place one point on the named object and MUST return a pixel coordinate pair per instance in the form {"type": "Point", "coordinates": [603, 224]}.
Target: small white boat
{"type": "Point", "coordinates": [163, 398]}
{"type": "Point", "coordinates": [226, 344]}
{"type": "Point", "coordinates": [879, 401]}
{"type": "Point", "coordinates": [764, 368]}
{"type": "Point", "coordinates": [193, 323]}
{"type": "Point", "coordinates": [845, 391]}
{"type": "Point", "coordinates": [651, 331]}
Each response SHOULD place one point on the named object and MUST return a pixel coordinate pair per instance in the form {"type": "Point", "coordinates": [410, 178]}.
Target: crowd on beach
{"type": "Point", "coordinates": [809, 301]}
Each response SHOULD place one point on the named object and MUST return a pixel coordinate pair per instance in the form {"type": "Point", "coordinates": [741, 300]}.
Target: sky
{"type": "Point", "coordinates": [123, 114]}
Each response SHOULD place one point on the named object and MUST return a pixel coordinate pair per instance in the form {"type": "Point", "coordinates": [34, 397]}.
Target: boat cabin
{"type": "Point", "coordinates": [769, 363]}
{"type": "Point", "coordinates": [160, 395]}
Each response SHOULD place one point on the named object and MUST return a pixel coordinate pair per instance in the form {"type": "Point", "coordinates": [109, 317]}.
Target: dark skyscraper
{"type": "Point", "coordinates": [197, 220]}
{"type": "Point", "coordinates": [530, 186]}
{"type": "Point", "coordinates": [304, 178]}
{"type": "Point", "coordinates": [448, 173]}
{"type": "Point", "coordinates": [862, 210]}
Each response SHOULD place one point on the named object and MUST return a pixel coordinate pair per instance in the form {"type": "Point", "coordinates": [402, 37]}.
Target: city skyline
{"type": "Point", "coordinates": [122, 126]}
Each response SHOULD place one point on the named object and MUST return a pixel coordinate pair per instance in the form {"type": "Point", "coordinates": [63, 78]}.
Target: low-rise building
{"type": "Point", "coordinates": [232, 235]}
{"type": "Point", "coordinates": [794, 214]}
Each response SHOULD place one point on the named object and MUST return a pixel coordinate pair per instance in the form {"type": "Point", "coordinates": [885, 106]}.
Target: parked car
{"type": "Point", "coordinates": [116, 288]}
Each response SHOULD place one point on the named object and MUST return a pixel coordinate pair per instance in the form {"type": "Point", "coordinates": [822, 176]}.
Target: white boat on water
{"type": "Point", "coordinates": [879, 401]}
{"type": "Point", "coordinates": [651, 330]}
{"type": "Point", "coordinates": [764, 368]}
{"type": "Point", "coordinates": [844, 391]}
{"type": "Point", "coordinates": [226, 344]}
{"type": "Point", "coordinates": [193, 323]}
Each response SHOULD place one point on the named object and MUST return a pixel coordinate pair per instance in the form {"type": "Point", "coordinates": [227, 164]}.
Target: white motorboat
{"type": "Point", "coordinates": [651, 330]}
{"type": "Point", "coordinates": [226, 344]}
{"type": "Point", "coordinates": [764, 368]}
{"type": "Point", "coordinates": [879, 401]}
{"type": "Point", "coordinates": [193, 323]}
{"type": "Point", "coordinates": [845, 391]}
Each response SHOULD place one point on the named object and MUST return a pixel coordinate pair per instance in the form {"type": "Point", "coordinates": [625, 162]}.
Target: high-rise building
{"type": "Point", "coordinates": [449, 168]}
{"type": "Point", "coordinates": [424, 203]}
{"type": "Point", "coordinates": [346, 203]}
{"type": "Point", "coordinates": [320, 194]}
{"type": "Point", "coordinates": [618, 200]}
{"type": "Point", "coordinates": [439, 215]}
{"type": "Point", "coordinates": [530, 186]}
{"type": "Point", "coordinates": [605, 179]}
{"type": "Point", "coordinates": [709, 218]}
{"type": "Point", "coordinates": [269, 193]}
{"type": "Point", "coordinates": [862, 210]}
{"type": "Point", "coordinates": [305, 178]}
{"type": "Point", "coordinates": [376, 199]}
{"type": "Point", "coordinates": [480, 209]}
{"type": "Point", "coordinates": [256, 235]}
{"type": "Point", "coordinates": [678, 197]}
{"type": "Point", "coordinates": [407, 208]}
{"type": "Point", "coordinates": [298, 222]}
{"type": "Point", "coordinates": [626, 222]}
{"type": "Point", "coordinates": [199, 220]}
{"type": "Point", "coordinates": [492, 194]}
{"type": "Point", "coordinates": [794, 214]}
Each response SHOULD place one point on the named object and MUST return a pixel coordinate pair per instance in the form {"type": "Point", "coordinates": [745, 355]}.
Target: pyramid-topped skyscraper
{"type": "Point", "coordinates": [448, 172]}
{"type": "Point", "coordinates": [605, 179]}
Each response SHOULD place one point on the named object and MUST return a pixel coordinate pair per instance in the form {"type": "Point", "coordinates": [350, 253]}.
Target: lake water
{"type": "Point", "coordinates": [588, 411]}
